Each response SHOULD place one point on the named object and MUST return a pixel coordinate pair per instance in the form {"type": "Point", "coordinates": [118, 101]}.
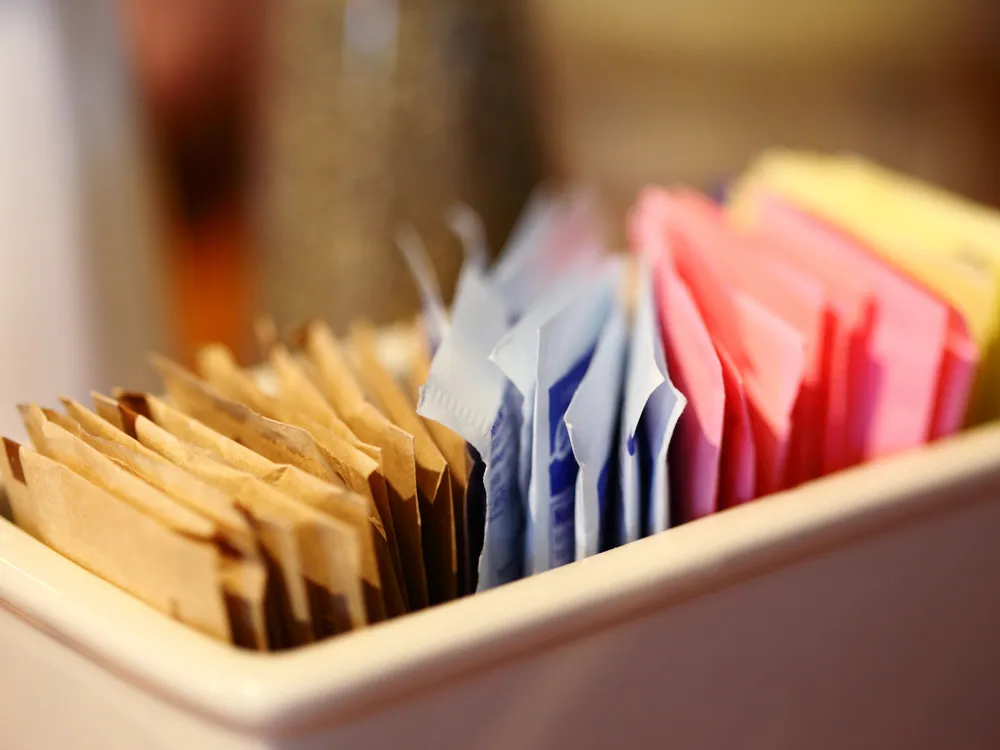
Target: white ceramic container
{"type": "Point", "coordinates": [860, 611]}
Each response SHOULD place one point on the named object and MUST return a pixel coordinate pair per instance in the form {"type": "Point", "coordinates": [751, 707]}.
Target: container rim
{"type": "Point", "coordinates": [358, 673]}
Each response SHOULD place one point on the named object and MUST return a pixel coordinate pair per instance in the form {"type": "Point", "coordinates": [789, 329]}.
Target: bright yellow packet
{"type": "Point", "coordinates": [947, 244]}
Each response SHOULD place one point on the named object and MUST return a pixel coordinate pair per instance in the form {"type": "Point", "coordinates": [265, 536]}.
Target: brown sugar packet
{"type": "Point", "coordinates": [456, 454]}
{"type": "Point", "coordinates": [112, 523]}
{"type": "Point", "coordinates": [347, 507]}
{"type": "Point", "coordinates": [284, 619]}
{"type": "Point", "coordinates": [274, 440]}
{"type": "Point", "coordinates": [359, 471]}
{"type": "Point", "coordinates": [321, 580]}
{"type": "Point", "coordinates": [106, 408]}
{"type": "Point", "coordinates": [5, 509]}
{"type": "Point", "coordinates": [242, 573]}
{"type": "Point", "coordinates": [61, 445]}
{"type": "Point", "coordinates": [218, 366]}
{"type": "Point", "coordinates": [298, 390]}
{"type": "Point", "coordinates": [433, 478]}
{"type": "Point", "coordinates": [244, 583]}
{"type": "Point", "coordinates": [338, 384]}
{"type": "Point", "coordinates": [327, 550]}
{"type": "Point", "coordinates": [152, 469]}
{"type": "Point", "coordinates": [22, 510]}
{"type": "Point", "coordinates": [178, 573]}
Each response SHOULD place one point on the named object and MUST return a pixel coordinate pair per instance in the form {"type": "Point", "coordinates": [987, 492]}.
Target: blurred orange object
{"type": "Point", "coordinates": [195, 65]}
{"type": "Point", "coordinates": [213, 287]}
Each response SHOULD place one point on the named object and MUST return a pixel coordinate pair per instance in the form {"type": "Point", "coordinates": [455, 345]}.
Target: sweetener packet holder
{"type": "Point", "coordinates": [859, 610]}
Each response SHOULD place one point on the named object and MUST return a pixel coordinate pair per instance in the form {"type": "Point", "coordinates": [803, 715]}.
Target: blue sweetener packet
{"type": "Point", "coordinates": [652, 405]}
{"type": "Point", "coordinates": [546, 355]}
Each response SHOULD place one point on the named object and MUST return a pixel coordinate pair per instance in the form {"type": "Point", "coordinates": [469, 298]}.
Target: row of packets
{"type": "Point", "coordinates": [573, 400]}
{"type": "Point", "coordinates": [267, 509]}
{"type": "Point", "coordinates": [830, 313]}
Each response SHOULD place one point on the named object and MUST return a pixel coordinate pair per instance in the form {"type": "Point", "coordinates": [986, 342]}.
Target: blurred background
{"type": "Point", "coordinates": [170, 167]}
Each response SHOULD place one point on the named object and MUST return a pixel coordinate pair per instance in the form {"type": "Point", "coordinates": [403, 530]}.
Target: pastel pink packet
{"type": "Point", "coordinates": [958, 372]}
{"type": "Point", "coordinates": [797, 298]}
{"type": "Point", "coordinates": [696, 448]}
{"type": "Point", "coordinates": [738, 460]}
{"type": "Point", "coordinates": [768, 354]}
{"type": "Point", "coordinates": [894, 390]}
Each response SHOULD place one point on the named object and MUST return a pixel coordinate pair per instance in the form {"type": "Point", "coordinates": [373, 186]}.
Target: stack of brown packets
{"type": "Point", "coordinates": [269, 511]}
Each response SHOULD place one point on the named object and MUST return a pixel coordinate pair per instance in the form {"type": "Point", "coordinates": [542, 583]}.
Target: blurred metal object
{"type": "Point", "coordinates": [378, 113]}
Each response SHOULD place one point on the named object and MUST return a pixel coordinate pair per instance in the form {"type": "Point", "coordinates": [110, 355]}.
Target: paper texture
{"type": "Point", "coordinates": [317, 556]}
{"type": "Point", "coordinates": [274, 440]}
{"type": "Point", "coordinates": [893, 406]}
{"type": "Point", "coordinates": [456, 453]}
{"type": "Point", "coordinates": [546, 355]}
{"type": "Point", "coordinates": [935, 238]}
{"type": "Point", "coordinates": [651, 408]}
{"type": "Point", "coordinates": [357, 463]}
{"type": "Point", "coordinates": [113, 537]}
{"type": "Point", "coordinates": [256, 621]}
{"type": "Point", "coordinates": [591, 425]}
{"type": "Point", "coordinates": [750, 265]}
{"type": "Point", "coordinates": [763, 356]}
{"type": "Point", "coordinates": [339, 386]}
{"type": "Point", "coordinates": [469, 394]}
{"type": "Point", "coordinates": [437, 513]}
{"type": "Point", "coordinates": [696, 372]}
{"type": "Point", "coordinates": [157, 426]}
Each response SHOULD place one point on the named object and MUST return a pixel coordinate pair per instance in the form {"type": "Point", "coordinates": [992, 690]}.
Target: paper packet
{"type": "Point", "coordinates": [110, 522]}
{"type": "Point", "coordinates": [651, 408]}
{"type": "Point", "coordinates": [437, 513]}
{"type": "Point", "coordinates": [697, 372]}
{"type": "Point", "coordinates": [894, 403]}
{"type": "Point", "coordinates": [751, 265]}
{"type": "Point", "coordinates": [318, 556]}
{"type": "Point", "coordinates": [315, 582]}
{"type": "Point", "coordinates": [545, 355]}
{"type": "Point", "coordinates": [591, 422]}
{"type": "Point", "coordinates": [253, 618]}
{"type": "Point", "coordinates": [469, 394]}
{"type": "Point", "coordinates": [381, 594]}
{"type": "Point", "coordinates": [274, 440]}
{"type": "Point", "coordinates": [337, 382]}
{"type": "Point", "coordinates": [360, 471]}
{"type": "Point", "coordinates": [460, 465]}
{"type": "Point", "coordinates": [937, 239]}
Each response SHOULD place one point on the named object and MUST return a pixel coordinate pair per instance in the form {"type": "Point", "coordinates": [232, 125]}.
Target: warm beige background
{"type": "Point", "coordinates": [639, 91]}
{"type": "Point", "coordinates": [478, 100]}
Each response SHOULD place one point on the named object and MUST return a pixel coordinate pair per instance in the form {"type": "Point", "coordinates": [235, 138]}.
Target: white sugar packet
{"type": "Point", "coordinates": [592, 421]}
{"type": "Point", "coordinates": [468, 393]}
{"type": "Point", "coordinates": [554, 235]}
{"type": "Point", "coordinates": [433, 312]}
{"type": "Point", "coordinates": [467, 225]}
{"type": "Point", "coordinates": [651, 408]}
